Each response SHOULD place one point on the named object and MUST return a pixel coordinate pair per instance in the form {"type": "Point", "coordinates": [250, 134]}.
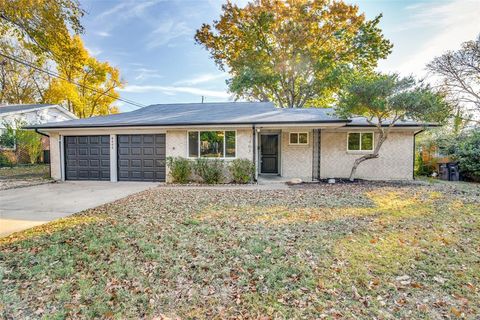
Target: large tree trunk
{"type": "Point", "coordinates": [382, 136]}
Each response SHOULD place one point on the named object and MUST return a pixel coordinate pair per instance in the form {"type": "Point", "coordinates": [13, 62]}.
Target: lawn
{"type": "Point", "coordinates": [24, 175]}
{"type": "Point", "coordinates": [366, 250]}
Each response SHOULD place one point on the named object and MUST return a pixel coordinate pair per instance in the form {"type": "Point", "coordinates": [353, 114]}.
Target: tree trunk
{"type": "Point", "coordinates": [382, 136]}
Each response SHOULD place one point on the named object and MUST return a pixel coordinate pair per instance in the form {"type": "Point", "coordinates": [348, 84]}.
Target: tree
{"type": "Point", "coordinates": [97, 81]}
{"type": "Point", "coordinates": [295, 53]}
{"type": "Point", "coordinates": [19, 83]}
{"type": "Point", "coordinates": [40, 24]}
{"type": "Point", "coordinates": [385, 100]}
{"type": "Point", "coordinates": [459, 72]}
{"type": "Point", "coordinates": [49, 31]}
{"type": "Point", "coordinates": [467, 153]}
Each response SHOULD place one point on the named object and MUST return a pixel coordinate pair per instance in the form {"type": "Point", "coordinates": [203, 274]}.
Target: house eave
{"type": "Point", "coordinates": [191, 125]}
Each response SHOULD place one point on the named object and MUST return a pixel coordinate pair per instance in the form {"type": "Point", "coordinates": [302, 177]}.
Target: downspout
{"type": "Point", "coordinates": [254, 142]}
{"type": "Point", "coordinates": [414, 150]}
{"type": "Point", "coordinates": [50, 164]}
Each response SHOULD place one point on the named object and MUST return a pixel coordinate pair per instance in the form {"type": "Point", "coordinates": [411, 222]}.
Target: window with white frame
{"type": "Point", "coordinates": [212, 144]}
{"type": "Point", "coordinates": [298, 138]}
{"type": "Point", "coordinates": [360, 141]}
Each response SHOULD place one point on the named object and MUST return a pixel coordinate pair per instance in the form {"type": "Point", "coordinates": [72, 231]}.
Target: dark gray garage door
{"type": "Point", "coordinates": [141, 157]}
{"type": "Point", "coordinates": [87, 158]}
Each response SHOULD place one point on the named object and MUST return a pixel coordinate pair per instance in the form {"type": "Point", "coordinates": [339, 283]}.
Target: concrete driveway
{"type": "Point", "coordinates": [23, 208]}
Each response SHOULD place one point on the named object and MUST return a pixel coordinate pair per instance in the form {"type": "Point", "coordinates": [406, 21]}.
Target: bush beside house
{"type": "Point", "coordinates": [20, 147]}
{"type": "Point", "coordinates": [210, 171]}
{"type": "Point", "coordinates": [441, 147]}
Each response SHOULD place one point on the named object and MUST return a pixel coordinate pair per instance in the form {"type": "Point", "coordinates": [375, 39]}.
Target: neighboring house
{"type": "Point", "coordinates": [32, 114]}
{"type": "Point", "coordinates": [310, 144]}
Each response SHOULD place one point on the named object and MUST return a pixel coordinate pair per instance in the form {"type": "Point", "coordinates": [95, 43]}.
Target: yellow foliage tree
{"type": "Point", "coordinates": [87, 86]}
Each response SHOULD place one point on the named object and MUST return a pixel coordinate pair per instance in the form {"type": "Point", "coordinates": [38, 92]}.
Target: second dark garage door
{"type": "Point", "coordinates": [141, 157]}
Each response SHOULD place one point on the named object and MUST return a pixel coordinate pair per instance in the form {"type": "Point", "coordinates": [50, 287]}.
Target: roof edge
{"type": "Point", "coordinates": [31, 127]}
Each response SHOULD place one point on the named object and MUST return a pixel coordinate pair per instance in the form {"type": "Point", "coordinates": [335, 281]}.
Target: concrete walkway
{"type": "Point", "coordinates": [27, 207]}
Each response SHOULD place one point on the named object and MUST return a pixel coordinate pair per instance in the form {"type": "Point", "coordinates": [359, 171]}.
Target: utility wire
{"type": "Point", "coordinates": [56, 75]}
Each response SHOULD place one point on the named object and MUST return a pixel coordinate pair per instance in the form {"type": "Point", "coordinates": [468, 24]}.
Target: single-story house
{"type": "Point", "coordinates": [309, 144]}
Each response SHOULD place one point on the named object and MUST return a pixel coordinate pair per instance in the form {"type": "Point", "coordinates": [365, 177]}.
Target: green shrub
{"type": "Point", "coordinates": [180, 169]}
{"type": "Point", "coordinates": [23, 141]}
{"type": "Point", "coordinates": [210, 170]}
{"type": "Point", "coordinates": [467, 153]}
{"type": "Point", "coordinates": [7, 159]}
{"type": "Point", "coordinates": [242, 170]}
{"type": "Point", "coordinates": [422, 168]}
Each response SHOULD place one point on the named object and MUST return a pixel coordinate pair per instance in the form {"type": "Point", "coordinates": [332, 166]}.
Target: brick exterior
{"type": "Point", "coordinates": [296, 160]}
{"type": "Point", "coordinates": [395, 161]}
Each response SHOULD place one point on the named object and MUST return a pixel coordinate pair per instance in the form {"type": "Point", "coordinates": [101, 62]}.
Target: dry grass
{"type": "Point", "coordinates": [22, 176]}
{"type": "Point", "coordinates": [343, 251]}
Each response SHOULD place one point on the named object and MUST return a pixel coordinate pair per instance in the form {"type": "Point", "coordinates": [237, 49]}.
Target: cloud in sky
{"type": "Point", "coordinates": [202, 78]}
{"type": "Point", "coordinates": [93, 51]}
{"type": "Point", "coordinates": [103, 34]}
{"type": "Point", "coordinates": [172, 90]}
{"type": "Point", "coordinates": [147, 74]}
{"type": "Point", "coordinates": [127, 9]}
{"type": "Point", "coordinates": [167, 31]}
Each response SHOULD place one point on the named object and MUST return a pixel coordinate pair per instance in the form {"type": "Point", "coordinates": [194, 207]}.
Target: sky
{"type": "Point", "coordinates": [152, 42]}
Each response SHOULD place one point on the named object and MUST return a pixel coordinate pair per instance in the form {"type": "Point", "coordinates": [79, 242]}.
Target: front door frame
{"type": "Point", "coordinates": [279, 143]}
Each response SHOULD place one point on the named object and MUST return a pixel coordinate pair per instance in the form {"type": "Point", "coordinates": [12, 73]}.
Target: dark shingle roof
{"type": "Point", "coordinates": [22, 107]}
{"type": "Point", "coordinates": [203, 114]}
{"type": "Point", "coordinates": [223, 113]}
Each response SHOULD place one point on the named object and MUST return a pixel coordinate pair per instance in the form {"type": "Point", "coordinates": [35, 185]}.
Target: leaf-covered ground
{"type": "Point", "coordinates": [367, 250]}
{"type": "Point", "coordinates": [23, 176]}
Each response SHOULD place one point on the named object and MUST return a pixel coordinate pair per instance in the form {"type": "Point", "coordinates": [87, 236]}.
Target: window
{"type": "Point", "coordinates": [298, 137]}
{"type": "Point", "coordinates": [212, 144]}
{"type": "Point", "coordinates": [360, 141]}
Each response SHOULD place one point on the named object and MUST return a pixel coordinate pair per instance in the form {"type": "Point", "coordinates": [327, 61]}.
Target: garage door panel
{"type": "Point", "coordinates": [148, 139]}
{"type": "Point", "coordinates": [136, 139]}
{"type": "Point", "coordinates": [135, 151]}
{"type": "Point", "coordinates": [123, 151]}
{"type": "Point", "coordinates": [141, 157]}
{"type": "Point", "coordinates": [85, 158]}
{"type": "Point", "coordinates": [136, 163]}
{"type": "Point", "coordinates": [148, 163]}
{"type": "Point", "coordinates": [82, 151]}
{"type": "Point", "coordinates": [123, 139]}
{"type": "Point", "coordinates": [94, 140]}
{"type": "Point", "coordinates": [148, 151]}
{"type": "Point", "coordinates": [82, 140]}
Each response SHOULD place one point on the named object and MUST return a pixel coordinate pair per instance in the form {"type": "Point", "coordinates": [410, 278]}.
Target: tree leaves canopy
{"type": "Point", "coordinates": [389, 98]}
{"type": "Point", "coordinates": [95, 80]}
{"type": "Point", "coordinates": [40, 24]}
{"type": "Point", "coordinates": [49, 30]}
{"type": "Point", "coordinates": [295, 53]}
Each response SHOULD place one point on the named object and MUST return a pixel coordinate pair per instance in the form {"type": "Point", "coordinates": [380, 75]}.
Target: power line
{"type": "Point", "coordinates": [56, 75]}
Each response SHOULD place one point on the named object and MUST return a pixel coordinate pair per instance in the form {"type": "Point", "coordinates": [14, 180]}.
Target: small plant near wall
{"type": "Point", "coordinates": [180, 169]}
{"type": "Point", "coordinates": [242, 170]}
{"type": "Point", "coordinates": [210, 170]}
